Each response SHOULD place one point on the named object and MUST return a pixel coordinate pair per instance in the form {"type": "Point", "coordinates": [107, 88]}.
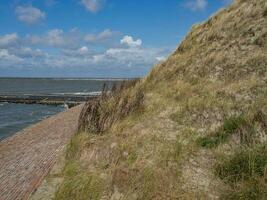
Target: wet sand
{"type": "Point", "coordinates": [27, 157]}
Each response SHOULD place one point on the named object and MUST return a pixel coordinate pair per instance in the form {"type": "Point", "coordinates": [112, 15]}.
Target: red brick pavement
{"type": "Point", "coordinates": [27, 157]}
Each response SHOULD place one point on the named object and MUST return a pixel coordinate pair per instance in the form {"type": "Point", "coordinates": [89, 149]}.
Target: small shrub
{"type": "Point", "coordinates": [229, 127]}
{"type": "Point", "coordinates": [243, 165]}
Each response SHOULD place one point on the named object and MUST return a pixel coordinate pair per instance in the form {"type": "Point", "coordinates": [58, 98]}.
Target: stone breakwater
{"type": "Point", "coordinates": [70, 100]}
{"type": "Point", "coordinates": [27, 157]}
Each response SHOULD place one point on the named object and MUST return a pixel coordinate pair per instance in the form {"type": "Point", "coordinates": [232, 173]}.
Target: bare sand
{"type": "Point", "coordinates": [28, 156]}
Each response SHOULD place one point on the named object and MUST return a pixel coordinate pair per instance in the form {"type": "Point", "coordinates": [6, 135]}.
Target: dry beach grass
{"type": "Point", "coordinates": [198, 132]}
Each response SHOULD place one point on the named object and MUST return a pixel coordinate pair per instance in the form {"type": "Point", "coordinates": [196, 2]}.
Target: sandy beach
{"type": "Point", "coordinates": [27, 157]}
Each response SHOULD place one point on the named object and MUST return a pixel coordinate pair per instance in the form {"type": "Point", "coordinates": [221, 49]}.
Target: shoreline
{"type": "Point", "coordinates": [27, 156]}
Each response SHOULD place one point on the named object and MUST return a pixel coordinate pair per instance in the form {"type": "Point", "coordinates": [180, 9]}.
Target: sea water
{"type": "Point", "coordinates": [15, 117]}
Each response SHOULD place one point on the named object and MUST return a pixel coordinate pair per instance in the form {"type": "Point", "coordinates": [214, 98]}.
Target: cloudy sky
{"type": "Point", "coordinates": [93, 38]}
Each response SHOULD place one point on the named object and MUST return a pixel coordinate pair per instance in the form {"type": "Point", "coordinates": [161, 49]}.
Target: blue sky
{"type": "Point", "coordinates": [94, 38]}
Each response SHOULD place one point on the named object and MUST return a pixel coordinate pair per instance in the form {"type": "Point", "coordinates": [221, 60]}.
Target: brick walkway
{"type": "Point", "coordinates": [27, 157]}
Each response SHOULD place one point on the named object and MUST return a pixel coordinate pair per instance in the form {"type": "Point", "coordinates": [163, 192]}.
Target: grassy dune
{"type": "Point", "coordinates": [194, 128]}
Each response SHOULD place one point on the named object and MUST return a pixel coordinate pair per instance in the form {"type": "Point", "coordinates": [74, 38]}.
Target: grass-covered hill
{"type": "Point", "coordinates": [194, 128]}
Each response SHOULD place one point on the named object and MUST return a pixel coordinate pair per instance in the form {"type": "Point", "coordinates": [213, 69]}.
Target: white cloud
{"type": "Point", "coordinates": [98, 58]}
{"type": "Point", "coordinates": [59, 51]}
{"type": "Point", "coordinates": [29, 15]}
{"type": "Point", "coordinates": [197, 5]}
{"type": "Point", "coordinates": [71, 39]}
{"type": "Point", "coordinates": [80, 52]}
{"type": "Point", "coordinates": [106, 34]}
{"type": "Point", "coordinates": [136, 57]}
{"type": "Point", "coordinates": [8, 40]}
{"type": "Point", "coordinates": [3, 53]}
{"type": "Point", "coordinates": [102, 36]}
{"type": "Point", "coordinates": [117, 52]}
{"type": "Point", "coordinates": [161, 58]}
{"type": "Point", "coordinates": [56, 38]}
{"type": "Point", "coordinates": [83, 50]}
{"type": "Point", "coordinates": [93, 5]}
{"type": "Point", "coordinates": [8, 58]}
{"type": "Point", "coordinates": [26, 52]}
{"type": "Point", "coordinates": [128, 40]}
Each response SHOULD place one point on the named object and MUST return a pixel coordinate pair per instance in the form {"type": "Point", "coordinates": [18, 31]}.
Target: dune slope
{"type": "Point", "coordinates": [195, 127]}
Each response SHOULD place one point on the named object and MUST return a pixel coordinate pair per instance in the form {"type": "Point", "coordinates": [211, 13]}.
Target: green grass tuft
{"type": "Point", "coordinates": [132, 157]}
{"type": "Point", "coordinates": [229, 127]}
{"type": "Point", "coordinates": [213, 141]}
{"type": "Point", "coordinates": [73, 148]}
{"type": "Point", "coordinates": [76, 145]}
{"type": "Point", "coordinates": [78, 184]}
{"type": "Point", "coordinates": [80, 187]}
{"type": "Point", "coordinates": [149, 184]}
{"type": "Point", "coordinates": [243, 165]}
{"type": "Point", "coordinates": [232, 124]}
{"type": "Point", "coordinates": [253, 189]}
{"type": "Point", "coordinates": [72, 169]}
{"type": "Point", "coordinates": [245, 172]}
